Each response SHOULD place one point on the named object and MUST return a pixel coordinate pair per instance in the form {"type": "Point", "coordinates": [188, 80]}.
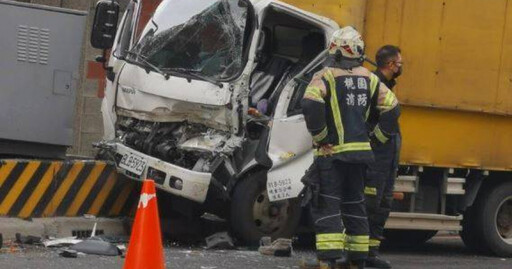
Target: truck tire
{"type": "Point", "coordinates": [493, 218]}
{"type": "Point", "coordinates": [470, 234]}
{"type": "Point", "coordinates": [253, 216]}
{"type": "Point", "coordinates": [407, 238]}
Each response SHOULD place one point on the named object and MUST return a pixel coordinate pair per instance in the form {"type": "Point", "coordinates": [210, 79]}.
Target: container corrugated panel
{"type": "Point", "coordinates": [456, 89]}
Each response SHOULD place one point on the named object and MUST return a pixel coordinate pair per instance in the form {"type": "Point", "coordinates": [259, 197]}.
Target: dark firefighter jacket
{"type": "Point", "coordinates": [336, 107]}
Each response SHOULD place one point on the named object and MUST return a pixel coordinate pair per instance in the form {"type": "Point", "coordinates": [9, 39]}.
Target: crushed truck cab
{"type": "Point", "coordinates": [203, 98]}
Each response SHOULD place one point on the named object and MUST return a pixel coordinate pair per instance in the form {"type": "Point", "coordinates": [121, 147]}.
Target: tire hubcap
{"type": "Point", "coordinates": [504, 220]}
{"type": "Point", "coordinates": [269, 217]}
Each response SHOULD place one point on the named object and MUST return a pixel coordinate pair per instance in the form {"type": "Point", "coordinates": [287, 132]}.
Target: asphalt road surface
{"type": "Point", "coordinates": [440, 252]}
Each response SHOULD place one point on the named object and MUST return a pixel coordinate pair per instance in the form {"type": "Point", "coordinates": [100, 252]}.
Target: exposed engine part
{"type": "Point", "coordinates": [190, 146]}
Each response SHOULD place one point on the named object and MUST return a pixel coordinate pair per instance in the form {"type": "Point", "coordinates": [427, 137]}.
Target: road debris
{"type": "Point", "coordinates": [281, 247]}
{"type": "Point", "coordinates": [220, 240]}
{"type": "Point", "coordinates": [29, 239]}
{"type": "Point", "coordinates": [68, 253]}
{"type": "Point", "coordinates": [96, 246]}
{"type": "Point", "coordinates": [61, 242]}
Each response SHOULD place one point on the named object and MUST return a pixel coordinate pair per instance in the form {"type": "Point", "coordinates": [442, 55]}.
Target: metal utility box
{"type": "Point", "coordinates": [40, 53]}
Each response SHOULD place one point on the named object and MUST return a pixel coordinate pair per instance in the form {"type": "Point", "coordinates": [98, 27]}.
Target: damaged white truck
{"type": "Point", "coordinates": [204, 98]}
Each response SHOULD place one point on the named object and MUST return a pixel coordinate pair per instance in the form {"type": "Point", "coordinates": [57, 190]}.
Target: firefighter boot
{"type": "Point", "coordinates": [377, 262]}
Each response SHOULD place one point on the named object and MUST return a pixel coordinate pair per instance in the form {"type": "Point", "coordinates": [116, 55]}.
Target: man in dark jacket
{"type": "Point", "coordinates": [381, 174]}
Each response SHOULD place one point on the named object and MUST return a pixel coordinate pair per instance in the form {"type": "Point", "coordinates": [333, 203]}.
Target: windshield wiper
{"type": "Point", "coordinates": [147, 64]}
{"type": "Point", "coordinates": [195, 74]}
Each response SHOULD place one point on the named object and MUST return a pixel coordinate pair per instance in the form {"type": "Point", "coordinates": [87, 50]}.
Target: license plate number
{"type": "Point", "coordinates": [133, 163]}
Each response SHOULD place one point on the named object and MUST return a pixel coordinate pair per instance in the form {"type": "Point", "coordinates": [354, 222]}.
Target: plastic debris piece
{"type": "Point", "coordinates": [69, 253]}
{"type": "Point", "coordinates": [93, 233]}
{"type": "Point", "coordinates": [29, 239]}
{"type": "Point", "coordinates": [96, 247]}
{"type": "Point", "coordinates": [220, 240]}
{"type": "Point", "coordinates": [60, 242]}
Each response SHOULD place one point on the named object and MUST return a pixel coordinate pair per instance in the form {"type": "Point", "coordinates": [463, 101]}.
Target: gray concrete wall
{"type": "Point", "coordinates": [88, 126]}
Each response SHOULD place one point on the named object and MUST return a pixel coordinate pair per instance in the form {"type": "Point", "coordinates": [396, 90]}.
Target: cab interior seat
{"type": "Point", "coordinates": [286, 45]}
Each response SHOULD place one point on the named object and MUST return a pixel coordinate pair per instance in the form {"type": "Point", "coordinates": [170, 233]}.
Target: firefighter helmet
{"type": "Point", "coordinates": [348, 42]}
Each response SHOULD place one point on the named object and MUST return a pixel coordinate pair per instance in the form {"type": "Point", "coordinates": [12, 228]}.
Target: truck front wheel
{"type": "Point", "coordinates": [494, 219]}
{"type": "Point", "coordinates": [254, 216]}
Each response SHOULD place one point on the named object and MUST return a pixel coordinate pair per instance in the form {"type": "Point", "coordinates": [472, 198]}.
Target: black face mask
{"type": "Point", "coordinates": [398, 73]}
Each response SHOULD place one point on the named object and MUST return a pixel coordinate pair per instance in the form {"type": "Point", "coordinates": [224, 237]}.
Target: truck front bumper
{"type": "Point", "coordinates": [172, 178]}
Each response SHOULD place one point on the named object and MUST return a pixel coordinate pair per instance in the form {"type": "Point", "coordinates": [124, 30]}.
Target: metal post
{"type": "Point", "coordinates": [444, 187]}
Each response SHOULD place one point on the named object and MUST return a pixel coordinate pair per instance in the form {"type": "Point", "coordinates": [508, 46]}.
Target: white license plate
{"type": "Point", "coordinates": [133, 163]}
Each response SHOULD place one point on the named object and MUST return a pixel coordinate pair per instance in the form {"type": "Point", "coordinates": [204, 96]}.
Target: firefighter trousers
{"type": "Point", "coordinates": [379, 184]}
{"type": "Point", "coordinates": [341, 197]}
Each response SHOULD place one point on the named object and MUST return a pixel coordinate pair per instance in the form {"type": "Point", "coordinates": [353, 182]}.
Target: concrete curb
{"type": "Point", "coordinates": [60, 226]}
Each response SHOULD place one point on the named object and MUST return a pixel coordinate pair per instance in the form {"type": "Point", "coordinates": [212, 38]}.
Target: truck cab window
{"type": "Point", "coordinates": [123, 41]}
{"type": "Point", "coordinates": [287, 45]}
{"type": "Point", "coordinates": [202, 37]}
{"type": "Point", "coordinates": [294, 107]}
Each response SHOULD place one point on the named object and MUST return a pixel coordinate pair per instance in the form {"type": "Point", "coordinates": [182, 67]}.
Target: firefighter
{"type": "Point", "coordinates": [381, 174]}
{"type": "Point", "coordinates": [336, 105]}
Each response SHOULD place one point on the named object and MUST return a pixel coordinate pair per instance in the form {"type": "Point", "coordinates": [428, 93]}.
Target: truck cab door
{"type": "Point", "coordinates": [290, 144]}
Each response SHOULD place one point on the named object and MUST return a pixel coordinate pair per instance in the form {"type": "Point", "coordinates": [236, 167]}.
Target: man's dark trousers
{"type": "Point", "coordinates": [379, 184]}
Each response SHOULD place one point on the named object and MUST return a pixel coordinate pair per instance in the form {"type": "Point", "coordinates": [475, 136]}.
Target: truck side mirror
{"type": "Point", "coordinates": [105, 24]}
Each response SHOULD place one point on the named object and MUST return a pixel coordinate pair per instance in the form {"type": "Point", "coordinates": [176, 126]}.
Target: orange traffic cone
{"type": "Point", "coordinates": [145, 250]}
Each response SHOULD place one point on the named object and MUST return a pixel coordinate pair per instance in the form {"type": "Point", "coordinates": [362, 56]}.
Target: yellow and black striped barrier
{"type": "Point", "coordinates": [30, 189]}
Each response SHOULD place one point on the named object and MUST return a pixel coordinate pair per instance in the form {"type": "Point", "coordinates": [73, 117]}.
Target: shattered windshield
{"type": "Point", "coordinates": [201, 36]}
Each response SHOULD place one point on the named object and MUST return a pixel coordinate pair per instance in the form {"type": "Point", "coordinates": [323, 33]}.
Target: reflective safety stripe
{"type": "Point", "coordinates": [370, 191]}
{"type": "Point", "coordinates": [330, 237]}
{"type": "Point", "coordinates": [357, 247]}
{"type": "Point", "coordinates": [358, 239]}
{"type": "Point", "coordinates": [329, 245]}
{"type": "Point", "coordinates": [388, 101]}
{"type": "Point", "coordinates": [380, 135]}
{"type": "Point", "coordinates": [330, 241]}
{"type": "Point", "coordinates": [319, 137]}
{"type": "Point", "coordinates": [335, 105]}
{"type": "Point", "coordinates": [374, 82]}
{"type": "Point", "coordinates": [356, 146]}
{"type": "Point", "coordinates": [374, 243]}
{"type": "Point", "coordinates": [358, 243]}
{"type": "Point", "coordinates": [314, 93]}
